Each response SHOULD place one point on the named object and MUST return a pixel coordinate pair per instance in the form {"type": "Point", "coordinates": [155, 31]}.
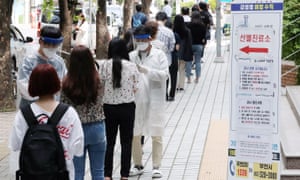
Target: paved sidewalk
{"type": "Point", "coordinates": [188, 121]}
{"type": "Point", "coordinates": [6, 120]}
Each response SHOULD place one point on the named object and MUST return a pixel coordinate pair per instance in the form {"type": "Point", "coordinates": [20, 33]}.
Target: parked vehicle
{"type": "Point", "coordinates": [18, 46]}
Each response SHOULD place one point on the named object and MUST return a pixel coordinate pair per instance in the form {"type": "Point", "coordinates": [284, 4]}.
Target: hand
{"type": "Point", "coordinates": [142, 69]}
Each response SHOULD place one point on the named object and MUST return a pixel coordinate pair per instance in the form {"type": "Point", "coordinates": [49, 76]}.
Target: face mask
{"type": "Point", "coordinates": [142, 46]}
{"type": "Point", "coordinates": [50, 52]}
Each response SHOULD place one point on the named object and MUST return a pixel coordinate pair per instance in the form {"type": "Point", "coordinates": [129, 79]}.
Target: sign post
{"type": "Point", "coordinates": [254, 144]}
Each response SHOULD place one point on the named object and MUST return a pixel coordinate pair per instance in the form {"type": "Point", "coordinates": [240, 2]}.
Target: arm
{"type": "Point", "coordinates": [19, 129]}
{"type": "Point", "coordinates": [171, 43]}
{"type": "Point", "coordinates": [159, 71]}
{"type": "Point", "coordinates": [23, 78]}
{"type": "Point", "coordinates": [135, 78]}
{"type": "Point", "coordinates": [76, 143]}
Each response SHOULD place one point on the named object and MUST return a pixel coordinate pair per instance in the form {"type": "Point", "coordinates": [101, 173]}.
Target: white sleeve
{"type": "Point", "coordinates": [161, 71]}
{"type": "Point", "coordinates": [23, 78]}
{"type": "Point", "coordinates": [76, 143]}
{"type": "Point", "coordinates": [18, 132]}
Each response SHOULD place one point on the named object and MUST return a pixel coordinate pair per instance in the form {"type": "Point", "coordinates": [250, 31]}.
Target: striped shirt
{"type": "Point", "coordinates": [166, 36]}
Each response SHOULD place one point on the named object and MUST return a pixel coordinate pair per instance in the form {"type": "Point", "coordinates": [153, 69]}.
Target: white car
{"type": "Point", "coordinates": [19, 46]}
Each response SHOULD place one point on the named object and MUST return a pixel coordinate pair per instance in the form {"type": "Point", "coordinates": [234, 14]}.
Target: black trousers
{"type": "Point", "coordinates": [173, 69]}
{"type": "Point", "coordinates": [120, 117]}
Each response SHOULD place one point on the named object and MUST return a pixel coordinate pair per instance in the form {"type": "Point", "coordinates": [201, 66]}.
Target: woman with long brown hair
{"type": "Point", "coordinates": [82, 89]}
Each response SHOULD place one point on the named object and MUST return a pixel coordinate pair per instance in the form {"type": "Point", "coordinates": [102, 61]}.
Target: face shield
{"type": "Point", "coordinates": [141, 42]}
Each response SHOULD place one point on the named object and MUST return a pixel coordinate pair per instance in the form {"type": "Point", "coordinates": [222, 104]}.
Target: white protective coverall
{"type": "Point", "coordinates": [151, 93]}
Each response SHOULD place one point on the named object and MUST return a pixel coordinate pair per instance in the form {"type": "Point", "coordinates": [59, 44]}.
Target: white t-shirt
{"type": "Point", "coordinates": [69, 128]}
{"type": "Point", "coordinates": [168, 10]}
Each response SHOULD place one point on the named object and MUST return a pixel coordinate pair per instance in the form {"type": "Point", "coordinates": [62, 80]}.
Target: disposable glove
{"type": "Point", "coordinates": [142, 69]}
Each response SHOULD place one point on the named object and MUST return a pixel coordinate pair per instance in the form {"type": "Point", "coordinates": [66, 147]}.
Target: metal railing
{"type": "Point", "coordinates": [293, 53]}
{"type": "Point", "coordinates": [290, 39]}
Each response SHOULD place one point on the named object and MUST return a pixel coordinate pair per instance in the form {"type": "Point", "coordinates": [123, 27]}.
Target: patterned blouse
{"type": "Point", "coordinates": [129, 81]}
{"type": "Point", "coordinates": [88, 113]}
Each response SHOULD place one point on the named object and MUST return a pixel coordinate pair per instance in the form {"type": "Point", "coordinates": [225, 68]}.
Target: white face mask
{"type": "Point", "coordinates": [142, 46]}
{"type": "Point", "coordinates": [50, 52]}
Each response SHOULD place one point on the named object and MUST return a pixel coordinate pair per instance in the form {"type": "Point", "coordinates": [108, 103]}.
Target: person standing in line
{"type": "Point", "coordinates": [185, 53]}
{"type": "Point", "coordinates": [166, 36]}
{"type": "Point", "coordinates": [198, 31]}
{"type": "Point", "coordinates": [49, 42]}
{"type": "Point", "coordinates": [121, 79]}
{"type": "Point", "coordinates": [79, 30]}
{"type": "Point", "coordinates": [185, 12]}
{"type": "Point", "coordinates": [82, 89]}
{"type": "Point", "coordinates": [44, 83]}
{"type": "Point", "coordinates": [195, 7]}
{"type": "Point", "coordinates": [152, 64]}
{"type": "Point", "coordinates": [128, 38]}
{"type": "Point", "coordinates": [207, 18]}
{"type": "Point", "coordinates": [156, 43]}
{"type": "Point", "coordinates": [139, 18]}
{"type": "Point", "coordinates": [167, 9]}
{"type": "Point", "coordinates": [173, 68]}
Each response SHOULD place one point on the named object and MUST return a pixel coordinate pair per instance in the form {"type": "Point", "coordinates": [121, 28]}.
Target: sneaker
{"type": "Point", "coordinates": [137, 170]}
{"type": "Point", "coordinates": [156, 173]}
{"type": "Point", "coordinates": [171, 98]}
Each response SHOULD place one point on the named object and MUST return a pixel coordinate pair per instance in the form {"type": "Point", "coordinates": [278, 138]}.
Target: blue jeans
{"type": "Point", "coordinates": [188, 68]}
{"type": "Point", "coordinates": [95, 145]}
{"type": "Point", "coordinates": [197, 52]}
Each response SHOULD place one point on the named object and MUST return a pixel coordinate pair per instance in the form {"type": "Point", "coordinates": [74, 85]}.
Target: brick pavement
{"type": "Point", "coordinates": [6, 120]}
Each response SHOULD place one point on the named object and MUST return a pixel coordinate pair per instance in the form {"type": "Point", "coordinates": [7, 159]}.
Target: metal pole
{"type": "Point", "coordinates": [177, 6]}
{"type": "Point", "coordinates": [90, 24]}
{"type": "Point", "coordinates": [219, 57]}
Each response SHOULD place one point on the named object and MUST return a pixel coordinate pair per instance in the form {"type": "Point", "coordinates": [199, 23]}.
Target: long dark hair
{"type": "Point", "coordinates": [82, 82]}
{"type": "Point", "coordinates": [117, 50]}
{"type": "Point", "coordinates": [196, 18]}
{"type": "Point", "coordinates": [179, 26]}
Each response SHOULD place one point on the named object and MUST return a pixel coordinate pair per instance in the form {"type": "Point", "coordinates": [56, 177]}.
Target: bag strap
{"type": "Point", "coordinates": [53, 120]}
{"type": "Point", "coordinates": [58, 113]}
{"type": "Point", "coordinates": [28, 115]}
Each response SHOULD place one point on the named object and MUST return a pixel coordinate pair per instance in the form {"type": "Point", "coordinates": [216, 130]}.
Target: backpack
{"type": "Point", "coordinates": [42, 153]}
{"type": "Point", "coordinates": [137, 20]}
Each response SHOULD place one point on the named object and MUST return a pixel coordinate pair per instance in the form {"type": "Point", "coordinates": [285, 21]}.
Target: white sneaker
{"type": "Point", "coordinates": [156, 173]}
{"type": "Point", "coordinates": [136, 171]}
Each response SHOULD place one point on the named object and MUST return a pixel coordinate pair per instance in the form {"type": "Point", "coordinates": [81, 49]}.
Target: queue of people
{"type": "Point", "coordinates": [126, 92]}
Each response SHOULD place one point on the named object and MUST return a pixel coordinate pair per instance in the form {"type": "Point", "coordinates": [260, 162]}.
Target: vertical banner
{"type": "Point", "coordinates": [254, 143]}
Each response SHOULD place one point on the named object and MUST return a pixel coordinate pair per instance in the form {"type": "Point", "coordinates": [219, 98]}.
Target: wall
{"type": "Point", "coordinates": [291, 77]}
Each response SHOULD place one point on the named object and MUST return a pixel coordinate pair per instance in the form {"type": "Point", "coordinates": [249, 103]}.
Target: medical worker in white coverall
{"type": "Point", "coordinates": [150, 117]}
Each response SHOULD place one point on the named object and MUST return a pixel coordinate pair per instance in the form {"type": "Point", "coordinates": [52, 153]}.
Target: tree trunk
{"type": "Point", "coordinates": [66, 28]}
{"type": "Point", "coordinates": [102, 34]}
{"type": "Point", "coordinates": [146, 6]}
{"type": "Point", "coordinates": [7, 101]}
{"type": "Point", "coordinates": [127, 14]}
